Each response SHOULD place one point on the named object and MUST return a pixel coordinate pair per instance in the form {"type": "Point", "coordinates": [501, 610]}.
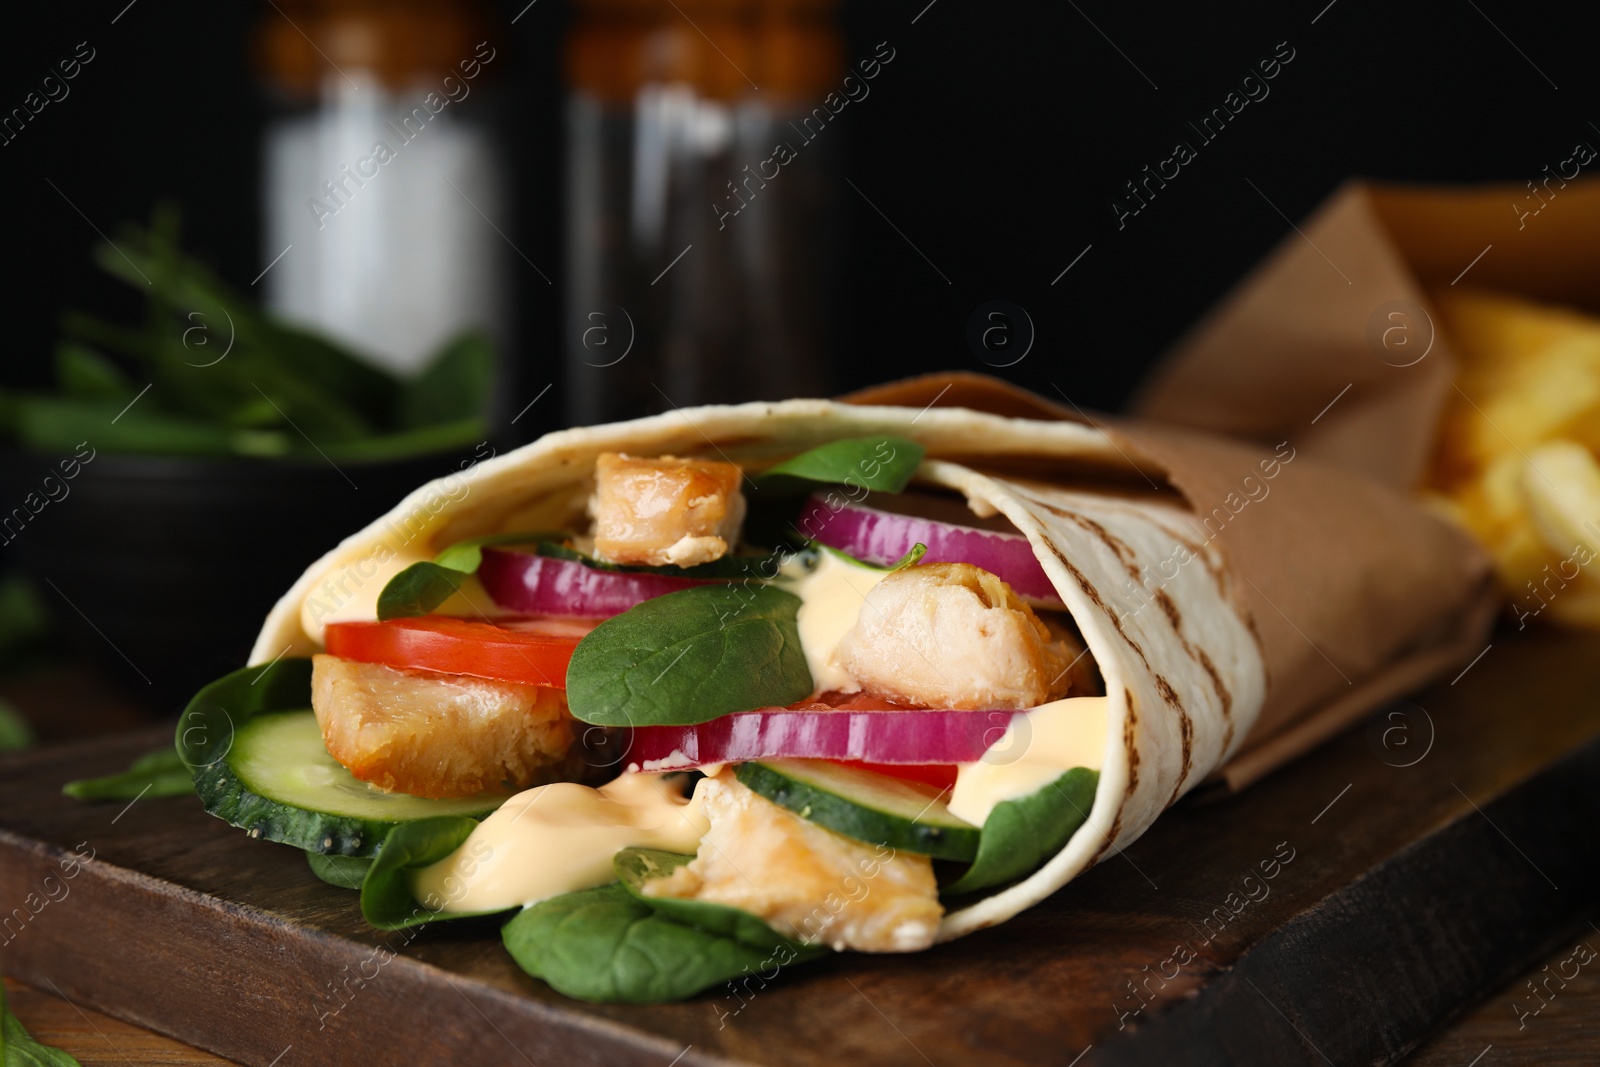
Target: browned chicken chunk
{"type": "Point", "coordinates": [951, 635]}
{"type": "Point", "coordinates": [665, 510]}
{"type": "Point", "coordinates": [806, 881]}
{"type": "Point", "coordinates": [440, 735]}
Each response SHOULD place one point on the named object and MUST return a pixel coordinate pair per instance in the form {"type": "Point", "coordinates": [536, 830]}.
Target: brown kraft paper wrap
{"type": "Point", "coordinates": [1346, 305]}
{"type": "Point", "coordinates": [1355, 594]}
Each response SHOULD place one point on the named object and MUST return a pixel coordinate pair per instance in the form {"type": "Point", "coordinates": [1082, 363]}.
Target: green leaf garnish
{"type": "Point", "coordinates": [346, 872]}
{"type": "Point", "coordinates": [19, 1049]}
{"type": "Point", "coordinates": [1020, 835]}
{"type": "Point", "coordinates": [226, 377]}
{"type": "Point", "coordinates": [161, 773]}
{"type": "Point", "coordinates": [15, 731]}
{"type": "Point", "coordinates": [606, 945]}
{"type": "Point", "coordinates": [207, 726]}
{"type": "Point", "coordinates": [883, 463]}
{"type": "Point", "coordinates": [453, 386]}
{"type": "Point", "coordinates": [636, 866]}
{"type": "Point", "coordinates": [423, 586]}
{"type": "Point", "coordinates": [912, 557]}
{"type": "Point", "coordinates": [386, 899]}
{"type": "Point", "coordinates": [689, 657]}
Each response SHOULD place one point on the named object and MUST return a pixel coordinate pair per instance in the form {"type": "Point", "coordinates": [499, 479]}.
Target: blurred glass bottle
{"type": "Point", "coordinates": [697, 251]}
{"type": "Point", "coordinates": [380, 189]}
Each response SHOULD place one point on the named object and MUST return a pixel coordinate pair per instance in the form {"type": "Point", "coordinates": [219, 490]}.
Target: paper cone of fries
{"type": "Point", "coordinates": [1432, 338]}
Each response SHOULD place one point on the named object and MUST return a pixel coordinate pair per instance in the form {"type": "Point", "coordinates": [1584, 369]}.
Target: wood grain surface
{"type": "Point", "coordinates": [94, 1039]}
{"type": "Point", "coordinates": [1417, 867]}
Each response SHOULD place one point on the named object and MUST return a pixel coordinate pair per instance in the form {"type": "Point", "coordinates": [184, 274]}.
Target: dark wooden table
{"type": "Point", "coordinates": [1440, 859]}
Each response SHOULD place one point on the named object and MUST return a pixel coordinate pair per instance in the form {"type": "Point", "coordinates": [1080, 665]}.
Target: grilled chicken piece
{"type": "Point", "coordinates": [804, 880]}
{"type": "Point", "coordinates": [665, 510]}
{"type": "Point", "coordinates": [951, 635]}
{"type": "Point", "coordinates": [441, 735]}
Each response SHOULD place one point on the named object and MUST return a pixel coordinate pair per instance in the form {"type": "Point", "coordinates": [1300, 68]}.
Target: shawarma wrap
{"type": "Point", "coordinates": [1200, 615]}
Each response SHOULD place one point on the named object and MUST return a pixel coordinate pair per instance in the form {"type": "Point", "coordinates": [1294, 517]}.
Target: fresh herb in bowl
{"type": "Point", "coordinates": [209, 374]}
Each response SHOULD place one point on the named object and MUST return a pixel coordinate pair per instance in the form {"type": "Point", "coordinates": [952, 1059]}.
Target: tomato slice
{"type": "Point", "coordinates": [534, 651]}
{"type": "Point", "coordinates": [942, 776]}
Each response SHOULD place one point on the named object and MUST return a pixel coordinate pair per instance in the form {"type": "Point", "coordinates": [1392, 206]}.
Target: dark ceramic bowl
{"type": "Point", "coordinates": [162, 569]}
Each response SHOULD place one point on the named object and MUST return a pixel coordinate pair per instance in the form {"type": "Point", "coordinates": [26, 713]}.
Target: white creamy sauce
{"type": "Point", "coordinates": [559, 838]}
{"type": "Point", "coordinates": [1038, 747]}
{"type": "Point", "coordinates": [350, 594]}
{"type": "Point", "coordinates": [831, 594]}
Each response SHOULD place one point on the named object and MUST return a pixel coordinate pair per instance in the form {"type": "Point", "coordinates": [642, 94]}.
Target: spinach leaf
{"type": "Point", "coordinates": [636, 866]}
{"type": "Point", "coordinates": [161, 773]}
{"type": "Point", "coordinates": [1020, 835]}
{"type": "Point", "coordinates": [83, 372]}
{"type": "Point", "coordinates": [386, 899]}
{"type": "Point", "coordinates": [419, 589]}
{"type": "Point", "coordinates": [346, 872]}
{"type": "Point", "coordinates": [912, 557]}
{"type": "Point", "coordinates": [19, 1049]}
{"type": "Point", "coordinates": [453, 386]}
{"type": "Point", "coordinates": [689, 657]}
{"type": "Point", "coordinates": [15, 732]}
{"type": "Point", "coordinates": [884, 463]}
{"type": "Point", "coordinates": [229, 378]}
{"type": "Point", "coordinates": [207, 725]}
{"type": "Point", "coordinates": [605, 945]}
{"type": "Point", "coordinates": [423, 586]}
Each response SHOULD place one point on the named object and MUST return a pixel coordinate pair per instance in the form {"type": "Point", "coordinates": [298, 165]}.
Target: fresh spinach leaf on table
{"type": "Point", "coordinates": [689, 657]}
{"type": "Point", "coordinates": [161, 773]}
{"type": "Point", "coordinates": [18, 1047]}
{"type": "Point", "coordinates": [15, 732]}
{"type": "Point", "coordinates": [1020, 835]}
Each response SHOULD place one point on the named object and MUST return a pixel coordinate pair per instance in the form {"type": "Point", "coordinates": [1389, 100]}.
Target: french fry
{"type": "Point", "coordinates": [1515, 460]}
{"type": "Point", "coordinates": [1561, 484]}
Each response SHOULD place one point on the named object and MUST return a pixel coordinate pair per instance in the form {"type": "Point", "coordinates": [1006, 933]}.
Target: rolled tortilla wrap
{"type": "Point", "coordinates": [1185, 673]}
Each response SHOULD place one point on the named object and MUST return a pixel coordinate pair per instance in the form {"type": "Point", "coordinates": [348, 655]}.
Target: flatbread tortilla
{"type": "Point", "coordinates": [1183, 669]}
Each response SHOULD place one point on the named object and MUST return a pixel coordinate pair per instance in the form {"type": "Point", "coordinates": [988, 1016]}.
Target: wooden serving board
{"type": "Point", "coordinates": [1416, 866]}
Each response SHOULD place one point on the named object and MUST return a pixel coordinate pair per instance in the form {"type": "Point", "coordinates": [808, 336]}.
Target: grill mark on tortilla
{"type": "Point", "coordinates": [1173, 616]}
{"type": "Point", "coordinates": [1217, 684]}
{"type": "Point", "coordinates": [1199, 551]}
{"type": "Point", "coordinates": [1094, 596]}
{"type": "Point", "coordinates": [1225, 586]}
{"type": "Point", "coordinates": [1224, 698]}
{"type": "Point", "coordinates": [1120, 548]}
{"type": "Point", "coordinates": [1186, 726]}
{"type": "Point", "coordinates": [1124, 553]}
{"type": "Point", "coordinates": [1133, 778]}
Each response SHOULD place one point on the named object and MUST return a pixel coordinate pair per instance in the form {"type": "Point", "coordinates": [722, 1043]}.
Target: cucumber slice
{"type": "Point", "coordinates": [869, 807]}
{"type": "Point", "coordinates": [278, 782]}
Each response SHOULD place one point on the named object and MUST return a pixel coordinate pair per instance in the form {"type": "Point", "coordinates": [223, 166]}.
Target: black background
{"type": "Point", "coordinates": [995, 141]}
